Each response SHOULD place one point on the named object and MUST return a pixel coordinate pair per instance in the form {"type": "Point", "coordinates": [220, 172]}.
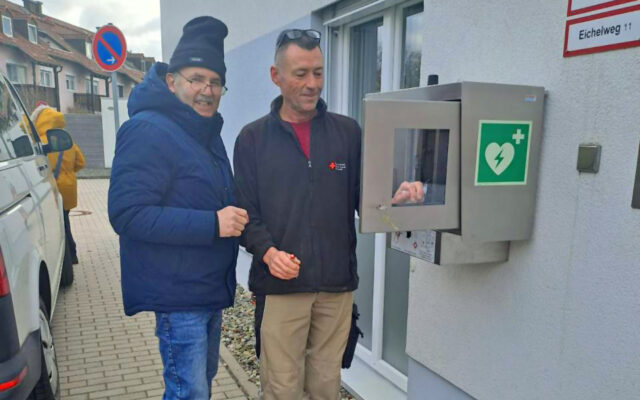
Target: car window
{"type": "Point", "coordinates": [15, 130]}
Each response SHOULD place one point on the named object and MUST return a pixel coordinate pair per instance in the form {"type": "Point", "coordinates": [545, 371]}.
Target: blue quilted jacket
{"type": "Point", "coordinates": [170, 175]}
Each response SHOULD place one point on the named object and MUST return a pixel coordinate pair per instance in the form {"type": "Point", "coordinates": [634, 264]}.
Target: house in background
{"type": "Point", "coordinates": [48, 59]}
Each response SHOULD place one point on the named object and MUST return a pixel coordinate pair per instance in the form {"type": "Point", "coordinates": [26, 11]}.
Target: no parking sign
{"type": "Point", "coordinates": [109, 48]}
{"type": "Point", "coordinates": [110, 51]}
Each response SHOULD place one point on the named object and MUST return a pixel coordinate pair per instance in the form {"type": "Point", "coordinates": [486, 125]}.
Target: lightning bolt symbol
{"type": "Point", "coordinates": [499, 158]}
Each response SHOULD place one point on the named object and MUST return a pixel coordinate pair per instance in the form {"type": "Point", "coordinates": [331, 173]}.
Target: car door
{"type": "Point", "coordinates": [22, 238]}
{"type": "Point", "coordinates": [45, 194]}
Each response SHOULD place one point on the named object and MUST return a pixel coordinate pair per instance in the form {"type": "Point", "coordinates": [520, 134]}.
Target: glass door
{"type": "Point", "coordinates": [365, 72]}
{"type": "Point", "coordinates": [370, 50]}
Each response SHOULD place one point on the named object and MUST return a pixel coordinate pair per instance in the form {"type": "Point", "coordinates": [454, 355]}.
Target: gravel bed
{"type": "Point", "coordinates": [238, 336]}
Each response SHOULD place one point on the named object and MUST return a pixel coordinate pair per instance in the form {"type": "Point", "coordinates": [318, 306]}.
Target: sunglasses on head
{"type": "Point", "coordinates": [296, 34]}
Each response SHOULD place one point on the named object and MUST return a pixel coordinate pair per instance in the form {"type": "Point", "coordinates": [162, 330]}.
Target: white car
{"type": "Point", "coordinates": [33, 257]}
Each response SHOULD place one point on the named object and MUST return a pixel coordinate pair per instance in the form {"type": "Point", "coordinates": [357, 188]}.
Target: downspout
{"type": "Point", "coordinates": [57, 84]}
{"type": "Point", "coordinates": [93, 109]}
{"type": "Point", "coordinates": [33, 71]}
{"type": "Point", "coordinates": [106, 85]}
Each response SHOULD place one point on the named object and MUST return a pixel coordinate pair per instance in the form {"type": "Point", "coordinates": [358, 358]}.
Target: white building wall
{"type": "Point", "coordinates": [560, 319]}
{"type": "Point", "coordinates": [66, 95]}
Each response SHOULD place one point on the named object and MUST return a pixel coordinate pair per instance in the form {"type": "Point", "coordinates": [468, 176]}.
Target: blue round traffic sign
{"type": "Point", "coordinates": [109, 48]}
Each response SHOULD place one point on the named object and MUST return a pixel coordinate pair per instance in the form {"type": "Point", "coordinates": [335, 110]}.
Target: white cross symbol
{"type": "Point", "coordinates": [518, 136]}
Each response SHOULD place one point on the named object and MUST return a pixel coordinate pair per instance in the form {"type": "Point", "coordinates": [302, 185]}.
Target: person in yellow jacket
{"type": "Point", "coordinates": [64, 166]}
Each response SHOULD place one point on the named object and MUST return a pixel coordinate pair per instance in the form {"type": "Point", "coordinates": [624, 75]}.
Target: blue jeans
{"type": "Point", "coordinates": [189, 343]}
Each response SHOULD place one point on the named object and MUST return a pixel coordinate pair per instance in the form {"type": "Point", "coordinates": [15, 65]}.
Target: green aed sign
{"type": "Point", "coordinates": [503, 153]}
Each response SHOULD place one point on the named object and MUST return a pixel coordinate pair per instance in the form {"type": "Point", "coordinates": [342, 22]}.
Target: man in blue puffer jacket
{"type": "Point", "coordinates": [171, 202]}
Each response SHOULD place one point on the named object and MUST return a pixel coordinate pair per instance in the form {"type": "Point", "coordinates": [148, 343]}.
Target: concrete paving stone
{"type": "Point", "coordinates": [71, 370]}
{"type": "Point", "coordinates": [123, 382]}
{"type": "Point", "coordinates": [107, 394]}
{"type": "Point", "coordinates": [144, 387]}
{"type": "Point", "coordinates": [143, 374]}
{"type": "Point", "coordinates": [155, 394]}
{"type": "Point", "coordinates": [82, 396]}
{"type": "Point", "coordinates": [73, 384]}
{"type": "Point", "coordinates": [87, 389]}
{"type": "Point", "coordinates": [226, 381]}
{"type": "Point", "coordinates": [152, 367]}
{"type": "Point", "coordinates": [111, 359]}
{"type": "Point", "coordinates": [152, 379]}
{"type": "Point", "coordinates": [224, 388]}
{"type": "Point", "coordinates": [83, 356]}
{"type": "Point", "coordinates": [104, 379]}
{"type": "Point", "coordinates": [233, 393]}
{"type": "Point", "coordinates": [110, 371]}
{"type": "Point", "coordinates": [148, 357]}
{"type": "Point", "coordinates": [86, 377]}
{"type": "Point", "coordinates": [133, 396]}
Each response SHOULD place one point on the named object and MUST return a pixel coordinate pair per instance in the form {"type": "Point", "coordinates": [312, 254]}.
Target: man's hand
{"type": "Point", "coordinates": [281, 264]}
{"type": "Point", "coordinates": [409, 192]}
{"type": "Point", "coordinates": [231, 221]}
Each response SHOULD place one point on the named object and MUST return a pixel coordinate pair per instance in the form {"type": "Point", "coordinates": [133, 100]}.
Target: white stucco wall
{"type": "Point", "coordinates": [246, 19]}
{"type": "Point", "coordinates": [560, 319]}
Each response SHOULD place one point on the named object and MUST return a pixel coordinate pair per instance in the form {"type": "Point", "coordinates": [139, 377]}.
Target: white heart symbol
{"type": "Point", "coordinates": [499, 157]}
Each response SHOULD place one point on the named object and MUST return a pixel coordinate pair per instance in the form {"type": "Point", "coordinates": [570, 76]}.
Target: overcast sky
{"type": "Point", "coordinates": [139, 20]}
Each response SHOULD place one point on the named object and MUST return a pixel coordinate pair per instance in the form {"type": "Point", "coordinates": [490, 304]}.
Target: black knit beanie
{"type": "Point", "coordinates": [201, 45]}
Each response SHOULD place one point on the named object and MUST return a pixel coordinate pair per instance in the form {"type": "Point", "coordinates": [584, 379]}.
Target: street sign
{"type": "Point", "coordinates": [584, 6]}
{"type": "Point", "coordinates": [109, 48]}
{"type": "Point", "coordinates": [503, 153]}
{"type": "Point", "coordinates": [611, 30]}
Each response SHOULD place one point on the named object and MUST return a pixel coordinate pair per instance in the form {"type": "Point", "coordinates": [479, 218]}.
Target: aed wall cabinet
{"type": "Point", "coordinates": [473, 147]}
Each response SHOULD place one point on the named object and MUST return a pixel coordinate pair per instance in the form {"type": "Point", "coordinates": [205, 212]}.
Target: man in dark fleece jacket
{"type": "Point", "coordinates": [297, 174]}
{"type": "Point", "coordinates": [170, 200]}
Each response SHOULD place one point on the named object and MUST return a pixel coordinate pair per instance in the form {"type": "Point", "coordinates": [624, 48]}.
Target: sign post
{"type": "Point", "coordinates": [110, 52]}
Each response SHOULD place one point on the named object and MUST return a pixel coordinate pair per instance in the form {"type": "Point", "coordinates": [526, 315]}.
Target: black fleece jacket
{"type": "Point", "coordinates": [305, 207]}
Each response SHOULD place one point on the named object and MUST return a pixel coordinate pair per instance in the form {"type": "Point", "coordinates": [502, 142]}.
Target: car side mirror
{"type": "Point", "coordinates": [59, 140]}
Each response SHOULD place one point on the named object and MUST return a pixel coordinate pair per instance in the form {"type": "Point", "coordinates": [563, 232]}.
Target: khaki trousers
{"type": "Point", "coordinates": [303, 336]}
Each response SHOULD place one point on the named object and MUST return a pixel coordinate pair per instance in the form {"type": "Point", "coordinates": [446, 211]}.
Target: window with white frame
{"type": "Point", "coordinates": [46, 76]}
{"type": "Point", "coordinates": [33, 33]}
{"type": "Point", "coordinates": [17, 73]}
{"type": "Point", "coordinates": [7, 26]}
{"type": "Point", "coordinates": [70, 81]}
{"type": "Point", "coordinates": [370, 49]}
{"type": "Point", "coordinates": [411, 46]}
{"type": "Point", "coordinates": [88, 51]}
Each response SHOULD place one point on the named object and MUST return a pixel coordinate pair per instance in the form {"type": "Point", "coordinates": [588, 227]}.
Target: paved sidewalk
{"type": "Point", "coordinates": [101, 353]}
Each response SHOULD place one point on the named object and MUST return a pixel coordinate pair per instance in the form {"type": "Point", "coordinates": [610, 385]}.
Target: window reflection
{"type": "Point", "coordinates": [366, 64]}
{"type": "Point", "coordinates": [420, 155]}
{"type": "Point", "coordinates": [412, 46]}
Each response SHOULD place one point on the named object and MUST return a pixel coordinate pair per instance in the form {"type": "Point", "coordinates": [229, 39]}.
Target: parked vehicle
{"type": "Point", "coordinates": [33, 260]}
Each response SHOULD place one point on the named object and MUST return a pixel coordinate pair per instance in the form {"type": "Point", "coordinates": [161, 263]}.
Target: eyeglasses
{"type": "Point", "coordinates": [296, 34]}
{"type": "Point", "coordinates": [201, 85]}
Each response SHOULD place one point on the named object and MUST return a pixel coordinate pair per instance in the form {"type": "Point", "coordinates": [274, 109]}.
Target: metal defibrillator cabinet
{"type": "Point", "coordinates": [475, 150]}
